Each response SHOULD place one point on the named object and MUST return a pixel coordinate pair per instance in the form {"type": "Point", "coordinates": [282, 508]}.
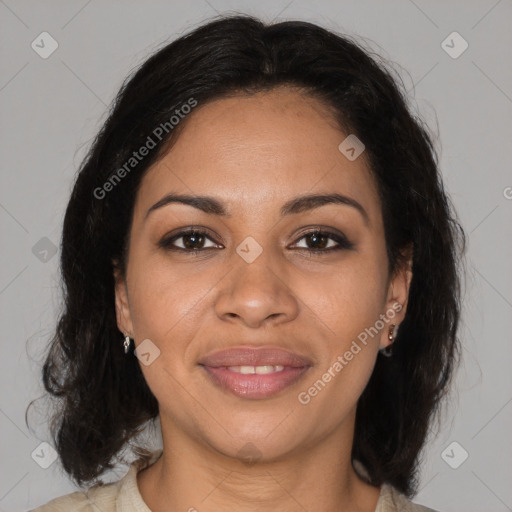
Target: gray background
{"type": "Point", "coordinates": [51, 108]}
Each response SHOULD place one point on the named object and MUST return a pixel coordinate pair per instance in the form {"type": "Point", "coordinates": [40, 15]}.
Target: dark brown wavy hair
{"type": "Point", "coordinates": [101, 399]}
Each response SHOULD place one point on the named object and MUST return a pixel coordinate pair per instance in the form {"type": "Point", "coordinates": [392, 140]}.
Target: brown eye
{"type": "Point", "coordinates": [320, 241]}
{"type": "Point", "coordinates": [192, 240]}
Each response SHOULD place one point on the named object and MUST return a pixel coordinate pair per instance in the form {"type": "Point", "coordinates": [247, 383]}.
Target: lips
{"type": "Point", "coordinates": [265, 356]}
{"type": "Point", "coordinates": [254, 373]}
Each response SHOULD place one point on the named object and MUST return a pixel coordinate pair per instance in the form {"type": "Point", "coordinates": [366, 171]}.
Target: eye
{"type": "Point", "coordinates": [192, 240]}
{"type": "Point", "coordinates": [323, 241]}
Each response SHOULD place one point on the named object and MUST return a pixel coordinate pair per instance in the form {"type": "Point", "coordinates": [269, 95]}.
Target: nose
{"type": "Point", "coordinates": [257, 293]}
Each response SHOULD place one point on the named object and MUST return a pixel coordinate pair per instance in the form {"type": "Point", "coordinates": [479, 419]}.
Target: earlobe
{"type": "Point", "coordinates": [397, 300]}
{"type": "Point", "coordinates": [388, 349]}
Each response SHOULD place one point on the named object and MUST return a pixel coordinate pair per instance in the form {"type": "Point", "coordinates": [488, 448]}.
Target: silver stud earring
{"type": "Point", "coordinates": [126, 344]}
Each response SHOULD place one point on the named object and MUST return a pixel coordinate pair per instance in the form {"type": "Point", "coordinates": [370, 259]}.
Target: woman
{"type": "Point", "coordinates": [258, 251]}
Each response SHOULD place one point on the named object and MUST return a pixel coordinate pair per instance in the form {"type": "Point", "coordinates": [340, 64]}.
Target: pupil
{"type": "Point", "coordinates": [315, 237]}
{"type": "Point", "coordinates": [194, 237]}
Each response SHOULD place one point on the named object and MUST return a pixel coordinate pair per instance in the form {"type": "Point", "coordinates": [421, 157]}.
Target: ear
{"type": "Point", "coordinates": [398, 296]}
{"type": "Point", "coordinates": [123, 317]}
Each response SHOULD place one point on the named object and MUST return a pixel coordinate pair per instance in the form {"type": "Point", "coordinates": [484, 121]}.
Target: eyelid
{"type": "Point", "coordinates": [166, 241]}
{"type": "Point", "coordinates": [337, 236]}
{"type": "Point", "coordinates": [342, 241]}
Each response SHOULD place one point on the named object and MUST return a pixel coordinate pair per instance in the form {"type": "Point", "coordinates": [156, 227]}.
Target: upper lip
{"type": "Point", "coordinates": [248, 356]}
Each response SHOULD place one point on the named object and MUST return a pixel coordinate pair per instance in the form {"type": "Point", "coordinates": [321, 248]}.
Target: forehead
{"type": "Point", "coordinates": [252, 151]}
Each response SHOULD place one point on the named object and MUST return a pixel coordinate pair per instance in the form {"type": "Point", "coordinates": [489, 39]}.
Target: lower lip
{"type": "Point", "coordinates": [255, 386]}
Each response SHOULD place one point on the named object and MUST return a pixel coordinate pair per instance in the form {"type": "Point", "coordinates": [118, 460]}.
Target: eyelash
{"type": "Point", "coordinates": [342, 241]}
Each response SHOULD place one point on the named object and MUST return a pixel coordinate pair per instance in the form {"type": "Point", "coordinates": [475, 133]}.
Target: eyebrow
{"type": "Point", "coordinates": [299, 204]}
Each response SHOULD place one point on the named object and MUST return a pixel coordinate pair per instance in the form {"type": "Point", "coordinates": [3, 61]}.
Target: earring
{"type": "Point", "coordinates": [126, 344]}
{"type": "Point", "coordinates": [388, 351]}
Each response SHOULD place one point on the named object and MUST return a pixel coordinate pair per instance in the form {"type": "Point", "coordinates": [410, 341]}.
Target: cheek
{"type": "Point", "coordinates": [346, 311]}
{"type": "Point", "coordinates": [351, 308]}
{"type": "Point", "coordinates": [350, 298]}
{"type": "Point", "coordinates": [166, 301]}
{"type": "Point", "coordinates": [334, 391]}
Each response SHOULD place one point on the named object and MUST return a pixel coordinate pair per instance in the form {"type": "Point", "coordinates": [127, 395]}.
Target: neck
{"type": "Point", "coordinates": [192, 477]}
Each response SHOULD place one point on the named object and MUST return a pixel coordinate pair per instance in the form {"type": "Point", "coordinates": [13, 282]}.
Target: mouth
{"type": "Point", "coordinates": [255, 373]}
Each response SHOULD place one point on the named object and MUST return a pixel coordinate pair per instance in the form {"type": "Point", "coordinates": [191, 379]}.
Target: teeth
{"type": "Point", "coordinates": [260, 370]}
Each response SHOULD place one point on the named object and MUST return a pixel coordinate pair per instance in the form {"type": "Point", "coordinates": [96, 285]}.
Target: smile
{"type": "Point", "coordinates": [254, 382]}
{"type": "Point", "coordinates": [260, 370]}
{"type": "Point", "coordinates": [254, 373]}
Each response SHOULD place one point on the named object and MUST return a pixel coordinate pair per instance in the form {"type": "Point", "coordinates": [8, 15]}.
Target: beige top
{"type": "Point", "coordinates": [124, 496]}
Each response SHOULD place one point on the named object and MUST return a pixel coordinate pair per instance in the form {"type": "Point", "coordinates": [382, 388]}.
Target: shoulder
{"type": "Point", "coordinates": [391, 500]}
{"type": "Point", "coordinates": [102, 497]}
{"type": "Point", "coordinates": [122, 495]}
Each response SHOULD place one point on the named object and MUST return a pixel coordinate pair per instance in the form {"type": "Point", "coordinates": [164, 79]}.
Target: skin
{"type": "Point", "coordinates": [254, 153]}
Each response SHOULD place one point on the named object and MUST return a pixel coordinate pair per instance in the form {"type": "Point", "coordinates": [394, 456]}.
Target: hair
{"type": "Point", "coordinates": [102, 396]}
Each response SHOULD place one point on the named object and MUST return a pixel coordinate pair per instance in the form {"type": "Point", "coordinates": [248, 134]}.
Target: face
{"type": "Point", "coordinates": [311, 280]}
